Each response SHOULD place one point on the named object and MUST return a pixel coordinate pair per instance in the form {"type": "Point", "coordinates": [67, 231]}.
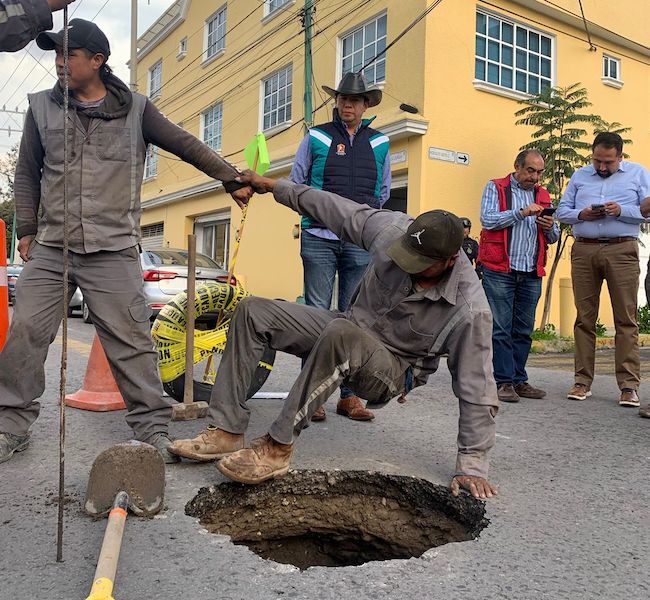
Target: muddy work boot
{"type": "Point", "coordinates": [506, 393]}
{"type": "Point", "coordinates": [211, 444]}
{"type": "Point", "coordinates": [352, 408]}
{"type": "Point", "coordinates": [161, 442]}
{"type": "Point", "coordinates": [264, 460]}
{"type": "Point", "coordinates": [10, 443]}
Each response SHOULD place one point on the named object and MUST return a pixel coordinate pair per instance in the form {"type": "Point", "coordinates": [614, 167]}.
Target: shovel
{"type": "Point", "coordinates": [132, 467]}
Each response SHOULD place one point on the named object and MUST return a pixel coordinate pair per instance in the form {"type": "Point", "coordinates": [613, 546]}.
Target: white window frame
{"type": "Point", "coordinates": [219, 50]}
{"type": "Point", "coordinates": [351, 32]}
{"type": "Point", "coordinates": [271, 14]}
{"type": "Point", "coordinates": [498, 88]}
{"type": "Point", "coordinates": [287, 122]}
{"type": "Point", "coordinates": [154, 92]}
{"type": "Point", "coordinates": [204, 115]}
{"type": "Point", "coordinates": [607, 79]}
{"type": "Point", "coordinates": [213, 220]}
{"type": "Point", "coordinates": [151, 163]}
{"type": "Point", "coordinates": [182, 48]}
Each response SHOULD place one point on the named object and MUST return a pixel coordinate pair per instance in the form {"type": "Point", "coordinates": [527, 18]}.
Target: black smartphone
{"type": "Point", "coordinates": [597, 206]}
{"type": "Point", "coordinates": [548, 212]}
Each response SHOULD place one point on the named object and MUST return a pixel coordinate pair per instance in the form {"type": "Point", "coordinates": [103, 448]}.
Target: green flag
{"type": "Point", "coordinates": [257, 148]}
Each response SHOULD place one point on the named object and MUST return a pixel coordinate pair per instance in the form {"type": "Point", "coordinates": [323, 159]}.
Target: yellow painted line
{"type": "Point", "coordinates": [77, 346]}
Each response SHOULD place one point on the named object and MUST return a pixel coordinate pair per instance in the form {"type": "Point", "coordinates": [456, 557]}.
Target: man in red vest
{"type": "Point", "coordinates": [516, 233]}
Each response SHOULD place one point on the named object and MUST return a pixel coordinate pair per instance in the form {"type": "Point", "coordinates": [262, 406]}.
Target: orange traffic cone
{"type": "Point", "coordinates": [4, 286]}
{"type": "Point", "coordinates": [99, 391]}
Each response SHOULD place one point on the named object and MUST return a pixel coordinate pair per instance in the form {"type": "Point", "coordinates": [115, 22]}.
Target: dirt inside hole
{"type": "Point", "coordinates": [338, 518]}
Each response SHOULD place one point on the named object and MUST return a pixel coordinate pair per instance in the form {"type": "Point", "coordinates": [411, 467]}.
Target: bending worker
{"type": "Point", "coordinates": [419, 299]}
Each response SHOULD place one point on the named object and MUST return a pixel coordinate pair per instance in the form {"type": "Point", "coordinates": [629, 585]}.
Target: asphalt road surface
{"type": "Point", "coordinates": [572, 520]}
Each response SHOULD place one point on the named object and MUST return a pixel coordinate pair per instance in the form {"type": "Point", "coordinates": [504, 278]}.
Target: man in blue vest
{"type": "Point", "coordinates": [349, 158]}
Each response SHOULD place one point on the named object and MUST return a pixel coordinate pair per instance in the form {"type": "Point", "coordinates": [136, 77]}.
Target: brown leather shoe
{"type": "Point", "coordinates": [264, 460]}
{"type": "Point", "coordinates": [644, 411]}
{"type": "Point", "coordinates": [506, 393]}
{"type": "Point", "coordinates": [629, 397]}
{"type": "Point", "coordinates": [352, 408]}
{"type": "Point", "coordinates": [211, 444]}
{"type": "Point", "coordinates": [525, 390]}
{"type": "Point", "coordinates": [579, 391]}
{"type": "Point", "coordinates": [319, 414]}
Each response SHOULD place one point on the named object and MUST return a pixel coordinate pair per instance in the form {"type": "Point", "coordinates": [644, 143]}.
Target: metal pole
{"type": "Point", "coordinates": [188, 395]}
{"type": "Point", "coordinates": [133, 63]}
{"type": "Point", "coordinates": [308, 20]}
{"type": "Point", "coordinates": [13, 238]}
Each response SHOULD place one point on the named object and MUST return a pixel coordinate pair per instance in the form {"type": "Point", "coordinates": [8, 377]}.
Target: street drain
{"type": "Point", "coordinates": [338, 518]}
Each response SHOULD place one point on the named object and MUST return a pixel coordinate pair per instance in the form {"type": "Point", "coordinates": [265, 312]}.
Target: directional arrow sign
{"type": "Point", "coordinates": [462, 158]}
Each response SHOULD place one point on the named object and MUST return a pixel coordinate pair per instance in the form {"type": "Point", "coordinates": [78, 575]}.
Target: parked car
{"type": "Point", "coordinates": [165, 274]}
{"type": "Point", "coordinates": [13, 271]}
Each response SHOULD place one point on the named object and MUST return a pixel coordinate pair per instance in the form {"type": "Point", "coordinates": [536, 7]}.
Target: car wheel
{"type": "Point", "coordinates": [85, 314]}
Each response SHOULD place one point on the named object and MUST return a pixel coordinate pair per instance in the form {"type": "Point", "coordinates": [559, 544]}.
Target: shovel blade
{"type": "Point", "coordinates": [133, 467]}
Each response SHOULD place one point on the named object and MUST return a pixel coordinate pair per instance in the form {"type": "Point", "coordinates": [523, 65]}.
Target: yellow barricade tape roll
{"type": "Point", "coordinates": [168, 330]}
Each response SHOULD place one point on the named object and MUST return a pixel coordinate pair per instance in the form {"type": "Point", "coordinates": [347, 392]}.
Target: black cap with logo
{"type": "Point", "coordinates": [434, 235]}
{"type": "Point", "coordinates": [81, 34]}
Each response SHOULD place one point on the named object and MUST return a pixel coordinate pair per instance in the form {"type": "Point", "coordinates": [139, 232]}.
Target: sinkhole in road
{"type": "Point", "coordinates": [338, 518]}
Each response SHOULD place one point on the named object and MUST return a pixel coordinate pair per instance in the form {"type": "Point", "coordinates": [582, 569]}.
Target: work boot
{"type": "Point", "coordinates": [629, 397]}
{"type": "Point", "coordinates": [506, 393]}
{"type": "Point", "coordinates": [319, 414]}
{"type": "Point", "coordinates": [211, 444]}
{"type": "Point", "coordinates": [352, 408]}
{"type": "Point", "coordinates": [579, 391]}
{"type": "Point", "coordinates": [525, 390]}
{"type": "Point", "coordinates": [161, 442]}
{"type": "Point", "coordinates": [10, 443]}
{"type": "Point", "coordinates": [264, 460]}
{"type": "Point", "coordinates": [644, 411]}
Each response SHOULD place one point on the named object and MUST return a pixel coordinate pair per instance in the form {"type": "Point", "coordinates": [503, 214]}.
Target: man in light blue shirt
{"type": "Point", "coordinates": [517, 228]}
{"type": "Point", "coordinates": [603, 204]}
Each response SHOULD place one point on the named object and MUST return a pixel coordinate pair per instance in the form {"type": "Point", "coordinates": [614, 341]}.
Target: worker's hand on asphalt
{"type": "Point", "coordinates": [23, 246]}
{"type": "Point", "coordinates": [242, 196]}
{"type": "Point", "coordinates": [260, 184]}
{"type": "Point", "coordinates": [479, 487]}
{"type": "Point", "coordinates": [58, 4]}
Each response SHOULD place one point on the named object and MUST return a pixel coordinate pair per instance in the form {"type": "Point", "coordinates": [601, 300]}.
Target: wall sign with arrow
{"type": "Point", "coordinates": [460, 158]}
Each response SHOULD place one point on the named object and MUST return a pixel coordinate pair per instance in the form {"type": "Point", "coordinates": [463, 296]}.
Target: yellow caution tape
{"type": "Point", "coordinates": [168, 330]}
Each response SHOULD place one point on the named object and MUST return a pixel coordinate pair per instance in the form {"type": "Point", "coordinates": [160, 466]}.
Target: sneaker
{"type": "Point", "coordinates": [352, 408]}
{"type": "Point", "coordinates": [265, 459]}
{"type": "Point", "coordinates": [161, 442]}
{"type": "Point", "coordinates": [525, 390]}
{"type": "Point", "coordinates": [579, 391]}
{"type": "Point", "coordinates": [10, 443]}
{"type": "Point", "coordinates": [629, 397]}
{"type": "Point", "coordinates": [645, 411]}
{"type": "Point", "coordinates": [319, 414]}
{"type": "Point", "coordinates": [506, 393]}
{"type": "Point", "coordinates": [211, 444]}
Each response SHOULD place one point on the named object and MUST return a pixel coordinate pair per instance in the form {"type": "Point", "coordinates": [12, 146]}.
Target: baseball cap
{"type": "Point", "coordinates": [81, 34]}
{"type": "Point", "coordinates": [434, 235]}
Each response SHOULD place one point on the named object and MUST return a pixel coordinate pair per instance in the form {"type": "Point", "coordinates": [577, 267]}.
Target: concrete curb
{"type": "Point", "coordinates": [567, 344]}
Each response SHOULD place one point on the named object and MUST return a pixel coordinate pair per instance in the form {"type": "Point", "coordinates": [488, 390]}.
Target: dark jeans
{"type": "Point", "coordinates": [321, 259]}
{"type": "Point", "coordinates": [513, 299]}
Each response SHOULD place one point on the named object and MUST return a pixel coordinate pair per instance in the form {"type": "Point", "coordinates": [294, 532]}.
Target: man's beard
{"type": "Point", "coordinates": [604, 175]}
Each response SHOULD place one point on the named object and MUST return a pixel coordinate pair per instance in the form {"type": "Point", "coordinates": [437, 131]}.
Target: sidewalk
{"type": "Point", "coordinates": [567, 344]}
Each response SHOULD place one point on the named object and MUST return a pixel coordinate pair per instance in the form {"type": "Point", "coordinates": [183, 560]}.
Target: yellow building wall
{"type": "Point", "coordinates": [432, 68]}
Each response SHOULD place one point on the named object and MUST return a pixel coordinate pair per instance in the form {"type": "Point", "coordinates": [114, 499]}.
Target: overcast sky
{"type": "Point", "coordinates": [21, 73]}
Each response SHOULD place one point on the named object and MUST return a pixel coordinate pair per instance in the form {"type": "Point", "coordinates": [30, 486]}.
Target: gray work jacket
{"type": "Point", "coordinates": [21, 21]}
{"type": "Point", "coordinates": [452, 317]}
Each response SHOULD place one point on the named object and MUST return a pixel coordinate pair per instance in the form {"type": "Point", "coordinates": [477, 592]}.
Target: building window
{"type": "Point", "coordinates": [153, 230]}
{"type": "Point", "coordinates": [276, 91]}
{"type": "Point", "coordinates": [270, 6]}
{"type": "Point", "coordinates": [361, 45]}
{"type": "Point", "coordinates": [214, 239]}
{"type": "Point", "coordinates": [512, 56]}
{"type": "Point", "coordinates": [155, 80]}
{"type": "Point", "coordinates": [611, 68]}
{"type": "Point", "coordinates": [182, 48]}
{"type": "Point", "coordinates": [211, 126]}
{"type": "Point", "coordinates": [215, 32]}
{"type": "Point", "coordinates": [151, 162]}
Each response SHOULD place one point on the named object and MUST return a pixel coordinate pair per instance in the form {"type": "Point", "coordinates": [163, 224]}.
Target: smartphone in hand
{"type": "Point", "coordinates": [548, 212]}
{"type": "Point", "coordinates": [597, 207]}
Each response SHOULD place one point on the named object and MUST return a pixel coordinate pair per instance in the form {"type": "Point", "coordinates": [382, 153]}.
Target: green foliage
{"type": "Point", "coordinates": [601, 330]}
{"type": "Point", "coordinates": [643, 318]}
{"type": "Point", "coordinates": [613, 127]}
{"type": "Point", "coordinates": [548, 332]}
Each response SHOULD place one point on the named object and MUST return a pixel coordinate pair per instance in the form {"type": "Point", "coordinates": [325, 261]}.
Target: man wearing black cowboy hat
{"type": "Point", "coordinates": [109, 128]}
{"type": "Point", "coordinates": [347, 157]}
